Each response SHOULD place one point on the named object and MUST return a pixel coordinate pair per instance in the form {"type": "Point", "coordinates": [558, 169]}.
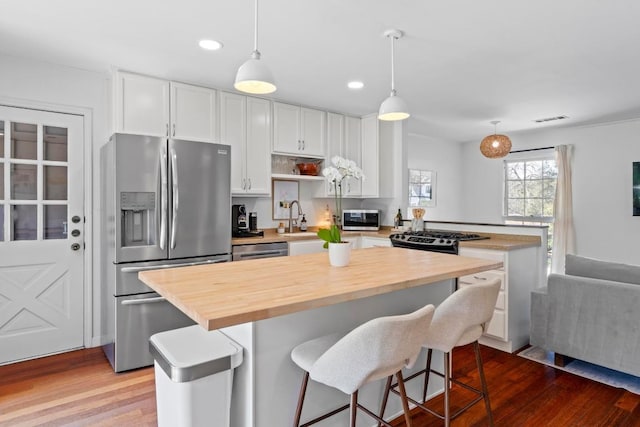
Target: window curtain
{"type": "Point", "coordinates": [563, 231]}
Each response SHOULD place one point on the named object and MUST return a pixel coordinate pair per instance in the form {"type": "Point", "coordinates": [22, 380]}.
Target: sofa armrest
{"type": "Point", "coordinates": [595, 320]}
{"type": "Point", "coordinates": [539, 315]}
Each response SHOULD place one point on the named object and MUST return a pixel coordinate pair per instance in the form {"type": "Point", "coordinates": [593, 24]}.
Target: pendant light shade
{"type": "Point", "coordinates": [254, 76]}
{"type": "Point", "coordinates": [495, 146]}
{"type": "Point", "coordinates": [394, 107]}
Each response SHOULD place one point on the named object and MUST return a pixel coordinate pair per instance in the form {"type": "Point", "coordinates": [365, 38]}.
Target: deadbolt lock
{"type": "Point", "coordinates": [75, 246]}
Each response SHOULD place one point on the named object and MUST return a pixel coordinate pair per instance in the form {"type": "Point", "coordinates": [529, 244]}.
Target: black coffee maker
{"type": "Point", "coordinates": [239, 220]}
{"type": "Point", "coordinates": [240, 223]}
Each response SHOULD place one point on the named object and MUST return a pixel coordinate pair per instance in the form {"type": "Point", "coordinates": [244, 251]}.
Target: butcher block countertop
{"type": "Point", "coordinates": [500, 242]}
{"type": "Point", "coordinates": [227, 294]}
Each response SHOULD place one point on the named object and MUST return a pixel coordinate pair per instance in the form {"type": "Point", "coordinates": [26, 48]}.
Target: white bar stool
{"type": "Point", "coordinates": [459, 320]}
{"type": "Point", "coordinates": [376, 349]}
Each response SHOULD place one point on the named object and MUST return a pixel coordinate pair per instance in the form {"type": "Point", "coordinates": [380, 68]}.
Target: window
{"type": "Point", "coordinates": [422, 188]}
{"type": "Point", "coordinates": [529, 192]}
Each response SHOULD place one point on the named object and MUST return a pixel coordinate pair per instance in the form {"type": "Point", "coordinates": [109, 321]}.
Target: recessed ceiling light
{"type": "Point", "coordinates": [355, 85]}
{"type": "Point", "coordinates": [210, 44]}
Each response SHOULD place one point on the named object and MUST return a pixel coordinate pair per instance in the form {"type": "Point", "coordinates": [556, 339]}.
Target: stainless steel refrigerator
{"type": "Point", "coordinates": [166, 203]}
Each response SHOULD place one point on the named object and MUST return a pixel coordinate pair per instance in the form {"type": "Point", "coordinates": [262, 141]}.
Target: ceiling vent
{"type": "Point", "coordinates": [551, 119]}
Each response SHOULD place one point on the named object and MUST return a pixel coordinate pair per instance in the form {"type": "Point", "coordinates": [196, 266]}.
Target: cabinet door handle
{"type": "Point", "coordinates": [174, 129]}
{"type": "Point", "coordinates": [244, 183]}
{"type": "Point", "coordinates": [249, 181]}
{"type": "Point", "coordinates": [166, 131]}
{"type": "Point", "coordinates": [303, 145]}
{"type": "Point", "coordinates": [299, 145]}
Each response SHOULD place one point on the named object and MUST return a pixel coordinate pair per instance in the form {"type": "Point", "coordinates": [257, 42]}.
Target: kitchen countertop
{"type": "Point", "coordinates": [501, 242]}
{"type": "Point", "coordinates": [227, 294]}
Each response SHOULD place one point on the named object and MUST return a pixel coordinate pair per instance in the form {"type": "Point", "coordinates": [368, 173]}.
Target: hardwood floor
{"type": "Point", "coordinates": [80, 389]}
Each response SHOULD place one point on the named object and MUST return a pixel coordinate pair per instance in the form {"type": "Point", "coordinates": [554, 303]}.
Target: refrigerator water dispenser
{"type": "Point", "coordinates": [138, 212]}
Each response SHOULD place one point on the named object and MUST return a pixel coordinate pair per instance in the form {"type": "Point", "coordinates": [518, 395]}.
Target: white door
{"type": "Point", "coordinates": [41, 233]}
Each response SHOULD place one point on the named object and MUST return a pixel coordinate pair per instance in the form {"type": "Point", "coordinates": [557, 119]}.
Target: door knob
{"type": "Point", "coordinates": [75, 233]}
{"type": "Point", "coordinates": [75, 246]}
{"type": "Point", "coordinates": [75, 219]}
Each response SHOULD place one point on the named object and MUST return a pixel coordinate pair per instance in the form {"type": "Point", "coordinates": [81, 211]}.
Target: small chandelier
{"type": "Point", "coordinates": [495, 146]}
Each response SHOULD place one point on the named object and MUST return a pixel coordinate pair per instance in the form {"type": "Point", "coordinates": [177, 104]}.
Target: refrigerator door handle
{"type": "Point", "coordinates": [160, 267]}
{"type": "Point", "coordinates": [175, 198]}
{"type": "Point", "coordinates": [163, 198]}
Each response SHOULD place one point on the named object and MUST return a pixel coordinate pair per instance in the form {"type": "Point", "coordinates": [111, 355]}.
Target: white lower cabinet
{"type": "Point", "coordinates": [306, 247]}
{"type": "Point", "coordinates": [508, 329]}
{"type": "Point", "coordinates": [315, 246]}
{"type": "Point", "coordinates": [497, 326]}
{"type": "Point", "coordinates": [371, 242]}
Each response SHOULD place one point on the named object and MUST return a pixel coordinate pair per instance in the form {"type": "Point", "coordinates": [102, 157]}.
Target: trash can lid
{"type": "Point", "coordinates": [186, 354]}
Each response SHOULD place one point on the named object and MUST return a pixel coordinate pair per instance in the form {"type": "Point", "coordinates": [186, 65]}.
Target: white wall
{"type": "Point", "coordinates": [602, 194]}
{"type": "Point", "coordinates": [442, 157]}
{"type": "Point", "coordinates": [27, 82]}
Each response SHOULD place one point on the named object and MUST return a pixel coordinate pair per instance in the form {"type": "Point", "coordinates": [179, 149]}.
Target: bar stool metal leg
{"type": "Point", "coordinates": [403, 397]}
{"type": "Point", "coordinates": [427, 371]}
{"type": "Point", "coordinates": [483, 382]}
{"type": "Point", "coordinates": [354, 408]}
{"type": "Point", "coordinates": [447, 389]}
{"type": "Point", "coordinates": [303, 390]}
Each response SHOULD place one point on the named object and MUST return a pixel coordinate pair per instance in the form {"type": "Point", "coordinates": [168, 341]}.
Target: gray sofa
{"type": "Point", "coordinates": [590, 313]}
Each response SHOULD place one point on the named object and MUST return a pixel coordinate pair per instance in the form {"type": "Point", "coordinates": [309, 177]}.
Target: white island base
{"type": "Point", "coordinates": [266, 385]}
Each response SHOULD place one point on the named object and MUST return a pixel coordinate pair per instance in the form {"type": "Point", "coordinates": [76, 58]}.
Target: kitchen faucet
{"type": "Point", "coordinates": [291, 214]}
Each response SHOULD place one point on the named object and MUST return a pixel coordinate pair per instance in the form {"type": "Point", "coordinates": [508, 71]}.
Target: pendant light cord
{"type": "Point", "coordinates": [393, 78]}
{"type": "Point", "coordinates": [255, 27]}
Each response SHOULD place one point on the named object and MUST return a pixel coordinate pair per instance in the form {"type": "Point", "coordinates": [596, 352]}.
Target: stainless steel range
{"type": "Point", "coordinates": [433, 240]}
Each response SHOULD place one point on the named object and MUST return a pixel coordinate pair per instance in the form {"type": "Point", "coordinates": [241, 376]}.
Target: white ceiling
{"type": "Point", "coordinates": [461, 64]}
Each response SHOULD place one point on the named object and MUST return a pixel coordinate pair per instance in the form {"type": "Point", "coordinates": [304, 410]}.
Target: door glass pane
{"type": "Point", "coordinates": [55, 143]}
{"type": "Point", "coordinates": [1, 138]}
{"type": "Point", "coordinates": [55, 222]}
{"type": "Point", "coordinates": [24, 141]}
{"type": "Point", "coordinates": [23, 182]}
{"type": "Point", "coordinates": [1, 223]}
{"type": "Point", "coordinates": [55, 183]}
{"type": "Point", "coordinates": [23, 220]}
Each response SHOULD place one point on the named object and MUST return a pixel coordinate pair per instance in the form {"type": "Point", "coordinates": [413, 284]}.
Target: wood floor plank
{"type": "Point", "coordinates": [80, 389]}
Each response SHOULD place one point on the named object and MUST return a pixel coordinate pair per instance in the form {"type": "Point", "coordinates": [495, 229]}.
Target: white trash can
{"type": "Point", "coordinates": [194, 376]}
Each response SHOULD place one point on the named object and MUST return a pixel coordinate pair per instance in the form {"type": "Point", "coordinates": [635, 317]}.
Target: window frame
{"type": "Point", "coordinates": [505, 192]}
{"type": "Point", "coordinates": [426, 202]}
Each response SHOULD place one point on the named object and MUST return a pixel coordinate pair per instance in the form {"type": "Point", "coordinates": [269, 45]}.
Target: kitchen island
{"type": "Point", "coordinates": [271, 305]}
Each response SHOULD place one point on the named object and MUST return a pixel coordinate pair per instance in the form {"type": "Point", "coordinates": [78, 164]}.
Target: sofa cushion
{"type": "Point", "coordinates": [605, 270]}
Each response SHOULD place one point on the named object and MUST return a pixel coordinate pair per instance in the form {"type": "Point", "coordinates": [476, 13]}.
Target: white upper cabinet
{"type": "Point", "coordinates": [155, 107]}
{"type": "Point", "coordinates": [142, 105]}
{"type": "Point", "coordinates": [370, 158]}
{"type": "Point", "coordinates": [245, 124]}
{"type": "Point", "coordinates": [353, 151]}
{"type": "Point", "coordinates": [343, 139]}
{"type": "Point", "coordinates": [193, 112]}
{"type": "Point", "coordinates": [297, 130]}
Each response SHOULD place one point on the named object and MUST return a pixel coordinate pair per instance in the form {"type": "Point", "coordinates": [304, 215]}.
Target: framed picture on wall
{"type": "Point", "coordinates": [284, 192]}
{"type": "Point", "coordinates": [636, 188]}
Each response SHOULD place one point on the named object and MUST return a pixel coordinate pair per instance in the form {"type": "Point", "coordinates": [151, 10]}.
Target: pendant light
{"type": "Point", "coordinates": [495, 146]}
{"type": "Point", "coordinates": [253, 76]}
{"type": "Point", "coordinates": [394, 107]}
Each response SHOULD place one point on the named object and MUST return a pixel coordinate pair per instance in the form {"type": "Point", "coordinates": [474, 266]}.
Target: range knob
{"type": "Point", "coordinates": [448, 242]}
{"type": "Point", "coordinates": [441, 240]}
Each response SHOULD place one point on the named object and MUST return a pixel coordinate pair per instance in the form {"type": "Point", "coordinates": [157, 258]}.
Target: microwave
{"type": "Point", "coordinates": [361, 219]}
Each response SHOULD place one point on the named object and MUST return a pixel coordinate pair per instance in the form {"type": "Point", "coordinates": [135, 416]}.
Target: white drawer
{"type": "Point", "coordinates": [497, 325]}
{"type": "Point", "coordinates": [482, 253]}
{"type": "Point", "coordinates": [482, 277]}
